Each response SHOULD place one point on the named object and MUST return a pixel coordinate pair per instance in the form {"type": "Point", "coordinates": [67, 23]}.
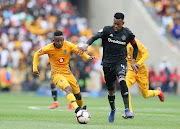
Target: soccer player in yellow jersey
{"type": "Point", "coordinates": [142, 76]}
{"type": "Point", "coordinates": [59, 55]}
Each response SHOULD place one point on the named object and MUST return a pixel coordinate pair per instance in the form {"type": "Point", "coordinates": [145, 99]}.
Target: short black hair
{"type": "Point", "coordinates": [58, 33]}
{"type": "Point", "coordinates": [119, 16]}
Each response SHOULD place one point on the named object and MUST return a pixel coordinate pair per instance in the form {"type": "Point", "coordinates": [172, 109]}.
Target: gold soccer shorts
{"type": "Point", "coordinates": [63, 80]}
{"type": "Point", "coordinates": [141, 78]}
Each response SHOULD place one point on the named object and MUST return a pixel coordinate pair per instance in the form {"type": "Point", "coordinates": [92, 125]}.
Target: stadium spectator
{"type": "Point", "coordinates": [167, 11]}
{"type": "Point", "coordinates": [174, 79]}
{"type": "Point", "coordinates": [162, 80]}
{"type": "Point", "coordinates": [152, 78]}
{"type": "Point", "coordinates": [27, 26]}
{"type": "Point", "coordinates": [164, 64]}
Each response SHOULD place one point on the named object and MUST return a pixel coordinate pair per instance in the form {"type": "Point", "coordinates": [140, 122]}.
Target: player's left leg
{"type": "Point", "coordinates": [143, 83]}
{"type": "Point", "coordinates": [61, 81]}
{"type": "Point", "coordinates": [121, 73]}
{"type": "Point", "coordinates": [75, 89]}
{"type": "Point", "coordinates": [130, 80]}
{"type": "Point", "coordinates": [54, 95]}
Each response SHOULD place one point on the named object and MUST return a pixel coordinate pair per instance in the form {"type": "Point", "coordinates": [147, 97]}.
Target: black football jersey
{"type": "Point", "coordinates": [114, 44]}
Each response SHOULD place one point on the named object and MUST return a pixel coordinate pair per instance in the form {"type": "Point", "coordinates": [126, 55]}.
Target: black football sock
{"type": "Point", "coordinates": [54, 93]}
{"type": "Point", "coordinates": [124, 93]}
{"type": "Point", "coordinates": [111, 99]}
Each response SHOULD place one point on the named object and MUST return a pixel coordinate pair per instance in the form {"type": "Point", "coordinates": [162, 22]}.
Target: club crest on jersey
{"type": "Point", "coordinates": [61, 60]}
{"type": "Point", "coordinates": [65, 51]}
{"type": "Point", "coordinates": [123, 37]}
{"type": "Point", "coordinates": [61, 80]}
{"type": "Point", "coordinates": [40, 50]}
{"type": "Point", "coordinates": [130, 48]}
{"type": "Point", "coordinates": [111, 35]}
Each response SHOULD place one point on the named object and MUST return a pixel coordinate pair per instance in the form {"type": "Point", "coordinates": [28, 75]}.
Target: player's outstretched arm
{"type": "Point", "coordinates": [36, 59]}
{"type": "Point", "coordinates": [145, 54]}
{"type": "Point", "coordinates": [89, 42]}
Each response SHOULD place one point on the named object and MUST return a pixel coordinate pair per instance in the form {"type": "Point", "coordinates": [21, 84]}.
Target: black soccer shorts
{"type": "Point", "coordinates": [111, 74]}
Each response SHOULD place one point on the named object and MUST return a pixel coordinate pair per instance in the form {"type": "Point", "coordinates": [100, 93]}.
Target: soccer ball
{"type": "Point", "coordinates": [83, 116]}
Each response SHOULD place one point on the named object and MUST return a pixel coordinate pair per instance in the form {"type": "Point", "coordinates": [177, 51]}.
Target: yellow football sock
{"type": "Point", "coordinates": [80, 102]}
{"type": "Point", "coordinates": [152, 93]}
{"type": "Point", "coordinates": [130, 106]}
{"type": "Point", "coordinates": [72, 100]}
{"type": "Point", "coordinates": [129, 85]}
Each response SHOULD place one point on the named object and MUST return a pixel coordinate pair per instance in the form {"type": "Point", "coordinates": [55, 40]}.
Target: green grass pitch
{"type": "Point", "coordinates": [29, 111]}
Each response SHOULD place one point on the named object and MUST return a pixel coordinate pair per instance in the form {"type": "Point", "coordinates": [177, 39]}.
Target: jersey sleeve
{"type": "Point", "coordinates": [99, 34]}
{"type": "Point", "coordinates": [131, 36]}
{"type": "Point", "coordinates": [37, 54]}
{"type": "Point", "coordinates": [143, 51]}
{"type": "Point", "coordinates": [74, 48]}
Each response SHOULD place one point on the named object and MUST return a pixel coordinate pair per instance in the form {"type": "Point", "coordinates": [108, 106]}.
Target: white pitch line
{"type": "Point", "coordinates": [63, 108]}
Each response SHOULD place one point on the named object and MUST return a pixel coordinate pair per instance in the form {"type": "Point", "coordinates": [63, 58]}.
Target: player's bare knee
{"type": "Point", "coordinates": [121, 78]}
{"type": "Point", "coordinates": [78, 96]}
{"type": "Point", "coordinates": [52, 85]}
{"type": "Point", "coordinates": [68, 89]}
{"type": "Point", "coordinates": [111, 92]}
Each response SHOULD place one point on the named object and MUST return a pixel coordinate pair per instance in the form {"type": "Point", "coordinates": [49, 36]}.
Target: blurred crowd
{"type": "Point", "coordinates": [28, 25]}
{"type": "Point", "coordinates": [167, 78]}
{"type": "Point", "coordinates": [168, 13]}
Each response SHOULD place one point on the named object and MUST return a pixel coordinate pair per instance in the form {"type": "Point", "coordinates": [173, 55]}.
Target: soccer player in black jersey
{"type": "Point", "coordinates": [114, 41]}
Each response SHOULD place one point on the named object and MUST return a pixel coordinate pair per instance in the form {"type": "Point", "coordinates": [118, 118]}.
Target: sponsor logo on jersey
{"type": "Point", "coordinates": [61, 60]}
{"type": "Point", "coordinates": [65, 51]}
{"type": "Point", "coordinates": [123, 37]}
{"type": "Point", "coordinates": [116, 41]}
{"type": "Point", "coordinates": [128, 56]}
{"type": "Point", "coordinates": [111, 35]}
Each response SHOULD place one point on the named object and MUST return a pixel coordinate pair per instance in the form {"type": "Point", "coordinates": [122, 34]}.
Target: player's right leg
{"type": "Point", "coordinates": [54, 95]}
{"type": "Point", "coordinates": [110, 78]}
{"type": "Point", "coordinates": [143, 83]}
{"type": "Point", "coordinates": [61, 81]}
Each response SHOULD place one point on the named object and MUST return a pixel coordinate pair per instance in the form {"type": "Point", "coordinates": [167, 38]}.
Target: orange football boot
{"type": "Point", "coordinates": [70, 107]}
{"type": "Point", "coordinates": [54, 105]}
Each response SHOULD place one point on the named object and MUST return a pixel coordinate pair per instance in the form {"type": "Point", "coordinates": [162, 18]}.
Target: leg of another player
{"type": "Point", "coordinates": [111, 98]}
{"type": "Point", "coordinates": [143, 82]}
{"type": "Point", "coordinates": [79, 99]}
{"type": "Point", "coordinates": [130, 105]}
{"type": "Point", "coordinates": [146, 93]}
{"type": "Point", "coordinates": [125, 95]}
{"type": "Point", "coordinates": [71, 98]}
{"type": "Point", "coordinates": [54, 95]}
